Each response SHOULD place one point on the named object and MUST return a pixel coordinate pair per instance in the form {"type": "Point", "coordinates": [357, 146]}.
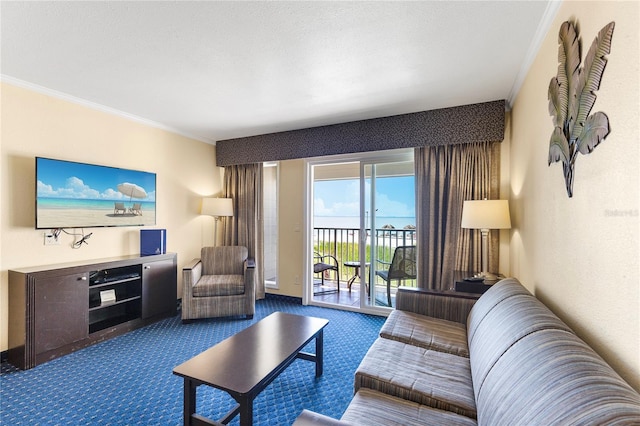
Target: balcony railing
{"type": "Point", "coordinates": [344, 244]}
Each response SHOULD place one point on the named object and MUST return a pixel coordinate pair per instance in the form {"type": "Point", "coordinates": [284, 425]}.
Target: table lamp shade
{"type": "Point", "coordinates": [217, 207]}
{"type": "Point", "coordinates": [486, 214]}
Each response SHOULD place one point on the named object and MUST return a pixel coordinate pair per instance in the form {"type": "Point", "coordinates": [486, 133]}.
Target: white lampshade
{"type": "Point", "coordinates": [486, 214]}
{"type": "Point", "coordinates": [217, 207]}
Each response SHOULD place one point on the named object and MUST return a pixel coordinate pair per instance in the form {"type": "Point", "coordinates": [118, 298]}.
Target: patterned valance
{"type": "Point", "coordinates": [482, 122]}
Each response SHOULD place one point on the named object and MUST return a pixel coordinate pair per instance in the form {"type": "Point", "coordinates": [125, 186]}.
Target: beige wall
{"type": "Point", "coordinates": [581, 255]}
{"type": "Point", "coordinates": [290, 228]}
{"type": "Point", "coordinates": [34, 124]}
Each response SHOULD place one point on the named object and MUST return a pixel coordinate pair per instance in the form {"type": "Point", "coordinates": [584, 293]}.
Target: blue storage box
{"type": "Point", "coordinates": [153, 241]}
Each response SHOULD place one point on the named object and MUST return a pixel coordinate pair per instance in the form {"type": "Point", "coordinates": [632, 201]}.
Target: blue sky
{"type": "Point", "coordinates": [64, 179]}
{"type": "Point", "coordinates": [395, 197]}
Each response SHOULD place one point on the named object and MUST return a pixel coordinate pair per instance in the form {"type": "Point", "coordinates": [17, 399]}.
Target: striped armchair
{"type": "Point", "coordinates": [219, 284]}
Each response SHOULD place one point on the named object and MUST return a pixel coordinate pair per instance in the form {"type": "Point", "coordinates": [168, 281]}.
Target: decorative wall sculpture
{"type": "Point", "coordinates": [572, 95]}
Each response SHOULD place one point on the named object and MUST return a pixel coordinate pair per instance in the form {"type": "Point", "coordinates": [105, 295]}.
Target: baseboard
{"type": "Point", "coordinates": [284, 298]}
{"type": "Point", "coordinates": [3, 356]}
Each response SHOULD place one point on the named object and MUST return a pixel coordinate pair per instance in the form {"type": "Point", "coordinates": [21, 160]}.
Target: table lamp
{"type": "Point", "coordinates": [216, 207]}
{"type": "Point", "coordinates": [485, 215]}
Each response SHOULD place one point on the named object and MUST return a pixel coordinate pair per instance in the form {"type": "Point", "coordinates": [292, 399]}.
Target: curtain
{"type": "Point", "coordinates": [243, 184]}
{"type": "Point", "coordinates": [445, 177]}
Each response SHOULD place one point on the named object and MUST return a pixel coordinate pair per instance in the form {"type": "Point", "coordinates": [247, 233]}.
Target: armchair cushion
{"type": "Point", "coordinates": [321, 267]}
{"type": "Point", "coordinates": [219, 285]}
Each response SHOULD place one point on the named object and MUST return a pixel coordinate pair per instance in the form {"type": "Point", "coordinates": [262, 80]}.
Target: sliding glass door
{"type": "Point", "coordinates": [387, 229]}
{"type": "Point", "coordinates": [363, 209]}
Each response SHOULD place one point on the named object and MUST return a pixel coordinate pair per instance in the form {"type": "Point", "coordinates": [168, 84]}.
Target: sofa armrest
{"type": "Point", "coordinates": [445, 305]}
{"type": "Point", "coordinates": [310, 418]}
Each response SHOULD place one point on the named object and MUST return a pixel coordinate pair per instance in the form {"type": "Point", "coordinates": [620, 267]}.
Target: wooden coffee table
{"type": "Point", "coordinates": [246, 363]}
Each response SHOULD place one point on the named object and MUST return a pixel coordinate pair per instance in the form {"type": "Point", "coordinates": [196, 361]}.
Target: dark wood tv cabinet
{"type": "Point", "coordinates": [57, 309]}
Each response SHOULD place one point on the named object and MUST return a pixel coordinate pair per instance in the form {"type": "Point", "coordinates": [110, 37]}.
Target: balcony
{"type": "Point", "coordinates": [344, 244]}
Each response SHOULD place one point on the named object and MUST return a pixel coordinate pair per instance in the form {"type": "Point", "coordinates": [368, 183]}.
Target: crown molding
{"type": "Point", "coordinates": [541, 32]}
{"type": "Point", "coordinates": [102, 108]}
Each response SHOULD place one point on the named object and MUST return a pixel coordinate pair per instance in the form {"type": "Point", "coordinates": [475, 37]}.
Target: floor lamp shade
{"type": "Point", "coordinates": [486, 215]}
{"type": "Point", "coordinates": [216, 207]}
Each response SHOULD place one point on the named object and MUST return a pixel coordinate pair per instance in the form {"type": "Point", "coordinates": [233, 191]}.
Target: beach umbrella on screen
{"type": "Point", "coordinates": [132, 190]}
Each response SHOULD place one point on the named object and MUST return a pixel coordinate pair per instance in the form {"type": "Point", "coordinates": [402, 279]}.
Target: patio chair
{"type": "Point", "coordinates": [219, 284]}
{"type": "Point", "coordinates": [402, 267]}
{"type": "Point", "coordinates": [136, 209]}
{"type": "Point", "coordinates": [322, 263]}
{"type": "Point", "coordinates": [119, 207]}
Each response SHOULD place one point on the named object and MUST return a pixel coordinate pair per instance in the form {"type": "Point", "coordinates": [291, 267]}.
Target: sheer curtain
{"type": "Point", "coordinates": [445, 177]}
{"type": "Point", "coordinates": [243, 184]}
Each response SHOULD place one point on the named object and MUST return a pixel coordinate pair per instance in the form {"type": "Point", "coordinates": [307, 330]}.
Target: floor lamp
{"type": "Point", "coordinates": [216, 207]}
{"type": "Point", "coordinates": [485, 215]}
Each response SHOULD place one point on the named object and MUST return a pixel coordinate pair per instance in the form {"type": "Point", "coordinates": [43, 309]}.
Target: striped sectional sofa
{"type": "Point", "coordinates": [445, 359]}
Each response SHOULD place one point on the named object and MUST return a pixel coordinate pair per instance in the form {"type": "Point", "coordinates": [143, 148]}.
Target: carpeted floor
{"type": "Point", "coordinates": [128, 380]}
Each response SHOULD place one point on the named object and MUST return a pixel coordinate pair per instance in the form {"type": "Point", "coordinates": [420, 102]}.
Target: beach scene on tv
{"type": "Point", "coordinates": [78, 195]}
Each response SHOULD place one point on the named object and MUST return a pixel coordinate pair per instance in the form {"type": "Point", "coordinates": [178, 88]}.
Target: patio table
{"type": "Point", "coordinates": [356, 273]}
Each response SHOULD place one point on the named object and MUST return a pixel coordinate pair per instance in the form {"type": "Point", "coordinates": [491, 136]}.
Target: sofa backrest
{"type": "Point", "coordinates": [225, 260]}
{"type": "Point", "coordinates": [552, 377]}
{"type": "Point", "coordinates": [508, 322]}
{"type": "Point", "coordinates": [497, 293]}
{"type": "Point", "coordinates": [528, 367]}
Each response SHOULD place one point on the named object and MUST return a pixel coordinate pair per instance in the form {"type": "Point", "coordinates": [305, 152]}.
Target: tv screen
{"type": "Point", "coordinates": [80, 195]}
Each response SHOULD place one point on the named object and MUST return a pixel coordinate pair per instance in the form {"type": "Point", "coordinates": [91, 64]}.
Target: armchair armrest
{"type": "Point", "coordinates": [192, 264]}
{"type": "Point", "coordinates": [310, 418]}
{"type": "Point", "coordinates": [191, 273]}
{"type": "Point", "coordinates": [249, 281]}
{"type": "Point", "coordinates": [321, 257]}
{"type": "Point", "coordinates": [445, 305]}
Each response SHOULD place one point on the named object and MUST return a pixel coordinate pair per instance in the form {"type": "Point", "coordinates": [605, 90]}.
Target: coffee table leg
{"type": "Point", "coordinates": [189, 400]}
{"type": "Point", "coordinates": [246, 412]}
{"type": "Point", "coordinates": [319, 352]}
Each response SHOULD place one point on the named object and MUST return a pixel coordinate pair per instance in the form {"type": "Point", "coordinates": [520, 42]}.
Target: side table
{"type": "Point", "coordinates": [470, 286]}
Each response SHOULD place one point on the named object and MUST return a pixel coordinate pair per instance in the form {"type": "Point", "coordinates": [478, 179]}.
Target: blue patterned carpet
{"type": "Point", "coordinates": [128, 380]}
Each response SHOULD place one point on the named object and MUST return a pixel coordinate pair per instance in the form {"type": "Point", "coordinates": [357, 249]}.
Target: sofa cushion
{"type": "Point", "coordinates": [219, 285]}
{"type": "Point", "coordinates": [310, 418]}
{"type": "Point", "coordinates": [426, 332]}
{"type": "Point", "coordinates": [509, 321]}
{"type": "Point", "coordinates": [498, 292]}
{"type": "Point", "coordinates": [425, 376]}
{"type": "Point", "coordinates": [370, 407]}
{"type": "Point", "coordinates": [553, 377]}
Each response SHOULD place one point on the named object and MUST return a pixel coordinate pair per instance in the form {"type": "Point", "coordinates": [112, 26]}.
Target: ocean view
{"type": "Point", "coordinates": [354, 222]}
{"type": "Point", "coordinates": [89, 204]}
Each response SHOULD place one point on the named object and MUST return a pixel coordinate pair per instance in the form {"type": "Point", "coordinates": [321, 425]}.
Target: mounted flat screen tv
{"type": "Point", "coordinates": [80, 195]}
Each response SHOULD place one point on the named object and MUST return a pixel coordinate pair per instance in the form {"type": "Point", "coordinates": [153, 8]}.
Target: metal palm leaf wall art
{"type": "Point", "coordinates": [571, 98]}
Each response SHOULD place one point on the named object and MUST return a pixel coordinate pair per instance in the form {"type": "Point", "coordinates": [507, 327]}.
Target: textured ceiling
{"type": "Point", "coordinates": [220, 70]}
